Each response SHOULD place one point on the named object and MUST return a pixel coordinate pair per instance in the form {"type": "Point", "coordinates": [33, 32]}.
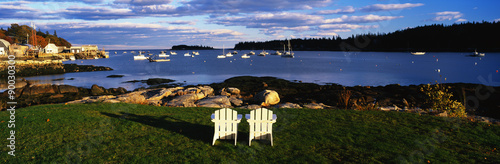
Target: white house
{"type": "Point", "coordinates": [51, 48]}
{"type": "Point", "coordinates": [4, 45]}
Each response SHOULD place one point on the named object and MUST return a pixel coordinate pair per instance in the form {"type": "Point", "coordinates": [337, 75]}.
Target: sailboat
{"type": "Point", "coordinates": [289, 53]}
{"type": "Point", "coordinates": [223, 55]}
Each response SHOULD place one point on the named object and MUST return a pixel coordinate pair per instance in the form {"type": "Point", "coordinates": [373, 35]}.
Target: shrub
{"type": "Point", "coordinates": [345, 96]}
{"type": "Point", "coordinates": [439, 99]}
{"type": "Point", "coordinates": [362, 105]}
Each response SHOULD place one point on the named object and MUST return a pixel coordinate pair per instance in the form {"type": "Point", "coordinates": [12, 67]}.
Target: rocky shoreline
{"type": "Point", "coordinates": [253, 92]}
{"type": "Point", "coordinates": [47, 67]}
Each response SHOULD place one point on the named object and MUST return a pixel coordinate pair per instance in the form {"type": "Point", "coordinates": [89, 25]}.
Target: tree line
{"type": "Point", "coordinates": [194, 47]}
{"type": "Point", "coordinates": [483, 36]}
{"type": "Point", "coordinates": [19, 34]}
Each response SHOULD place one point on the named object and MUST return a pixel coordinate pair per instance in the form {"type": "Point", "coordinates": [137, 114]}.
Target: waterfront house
{"type": "Point", "coordinates": [75, 50]}
{"type": "Point", "coordinates": [4, 47]}
{"type": "Point", "coordinates": [89, 48]}
{"type": "Point", "coordinates": [51, 48]}
{"type": "Point", "coordinates": [18, 50]}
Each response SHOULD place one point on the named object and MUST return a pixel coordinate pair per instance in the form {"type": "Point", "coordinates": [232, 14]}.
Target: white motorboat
{"type": "Point", "coordinates": [163, 55]}
{"type": "Point", "coordinates": [245, 56]}
{"type": "Point", "coordinates": [229, 54]}
{"type": "Point", "coordinates": [72, 58]}
{"type": "Point", "coordinates": [173, 53]}
{"type": "Point", "coordinates": [235, 52]}
{"type": "Point", "coordinates": [140, 57]}
{"type": "Point", "coordinates": [196, 53]}
{"type": "Point", "coordinates": [187, 54]}
{"type": "Point", "coordinates": [418, 53]}
{"type": "Point", "coordinates": [251, 53]}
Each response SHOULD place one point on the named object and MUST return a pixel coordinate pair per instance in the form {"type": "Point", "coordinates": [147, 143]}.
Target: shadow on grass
{"type": "Point", "coordinates": [199, 132]}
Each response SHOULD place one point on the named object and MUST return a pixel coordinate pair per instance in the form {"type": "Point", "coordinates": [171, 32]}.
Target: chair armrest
{"type": "Point", "coordinates": [247, 116]}
{"type": "Point", "coordinates": [274, 118]}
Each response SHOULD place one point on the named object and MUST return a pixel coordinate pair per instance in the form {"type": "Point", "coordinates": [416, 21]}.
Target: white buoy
{"type": "Point", "coordinates": [438, 70]}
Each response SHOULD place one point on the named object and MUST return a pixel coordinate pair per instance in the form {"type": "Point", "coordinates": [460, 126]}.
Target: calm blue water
{"type": "Point", "coordinates": [345, 68]}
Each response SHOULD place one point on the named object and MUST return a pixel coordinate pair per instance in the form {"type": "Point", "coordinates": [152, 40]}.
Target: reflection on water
{"type": "Point", "coordinates": [21, 82]}
{"type": "Point", "coordinates": [349, 69]}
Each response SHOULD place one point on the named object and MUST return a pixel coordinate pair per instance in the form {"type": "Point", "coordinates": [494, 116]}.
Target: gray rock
{"type": "Point", "coordinates": [235, 101]}
{"type": "Point", "coordinates": [207, 90]}
{"type": "Point", "coordinates": [67, 89]}
{"type": "Point", "coordinates": [183, 101]}
{"type": "Point", "coordinates": [251, 107]}
{"type": "Point", "coordinates": [288, 105]}
{"type": "Point", "coordinates": [215, 102]}
{"type": "Point", "coordinates": [313, 106]}
{"type": "Point", "coordinates": [156, 94]}
{"type": "Point", "coordinates": [39, 89]}
{"type": "Point", "coordinates": [97, 90]}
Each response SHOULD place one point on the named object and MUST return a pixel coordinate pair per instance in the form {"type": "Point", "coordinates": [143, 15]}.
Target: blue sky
{"type": "Point", "coordinates": [160, 24]}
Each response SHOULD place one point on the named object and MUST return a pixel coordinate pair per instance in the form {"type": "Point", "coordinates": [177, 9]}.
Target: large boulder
{"type": "Point", "coordinates": [206, 90]}
{"type": "Point", "coordinates": [97, 90]}
{"type": "Point", "coordinates": [215, 102]}
{"type": "Point", "coordinates": [39, 89]}
{"type": "Point", "coordinates": [156, 94]}
{"type": "Point", "coordinates": [183, 101]}
{"type": "Point", "coordinates": [235, 101]}
{"type": "Point", "coordinates": [230, 91]}
{"type": "Point", "coordinates": [268, 97]}
{"type": "Point", "coordinates": [67, 89]}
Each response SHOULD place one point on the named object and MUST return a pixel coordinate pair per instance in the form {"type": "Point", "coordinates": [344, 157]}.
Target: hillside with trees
{"type": "Point", "coordinates": [195, 47]}
{"type": "Point", "coordinates": [18, 34]}
{"type": "Point", "coordinates": [482, 36]}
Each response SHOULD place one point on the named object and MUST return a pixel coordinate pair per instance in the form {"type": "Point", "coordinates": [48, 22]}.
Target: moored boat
{"type": "Point", "coordinates": [173, 53]}
{"type": "Point", "coordinates": [289, 53]}
{"type": "Point", "coordinates": [477, 54]}
{"type": "Point", "coordinates": [245, 56]}
{"type": "Point", "coordinates": [418, 53]}
{"type": "Point", "coordinates": [140, 57]}
{"type": "Point", "coordinates": [163, 55]}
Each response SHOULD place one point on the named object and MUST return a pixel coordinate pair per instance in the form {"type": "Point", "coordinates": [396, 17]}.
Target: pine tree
{"type": "Point", "coordinates": [55, 33]}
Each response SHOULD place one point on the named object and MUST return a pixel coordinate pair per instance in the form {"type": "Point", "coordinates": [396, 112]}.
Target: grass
{"type": "Point", "coordinates": [117, 133]}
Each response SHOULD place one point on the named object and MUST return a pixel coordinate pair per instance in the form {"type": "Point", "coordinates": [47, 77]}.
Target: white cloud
{"type": "Point", "coordinates": [461, 20]}
{"type": "Point", "coordinates": [361, 19]}
{"type": "Point", "coordinates": [345, 10]}
{"type": "Point", "coordinates": [388, 7]}
{"type": "Point", "coordinates": [447, 15]}
{"type": "Point", "coordinates": [496, 20]}
{"type": "Point", "coordinates": [346, 26]}
{"type": "Point", "coordinates": [180, 22]}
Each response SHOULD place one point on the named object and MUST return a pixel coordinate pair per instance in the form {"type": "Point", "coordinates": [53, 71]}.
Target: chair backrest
{"type": "Point", "coordinates": [225, 114]}
{"type": "Point", "coordinates": [261, 114]}
{"type": "Point", "coordinates": [261, 123]}
{"type": "Point", "coordinates": [226, 123]}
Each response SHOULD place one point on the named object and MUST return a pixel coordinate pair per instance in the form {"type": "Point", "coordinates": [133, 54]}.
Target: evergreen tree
{"type": "Point", "coordinates": [55, 33]}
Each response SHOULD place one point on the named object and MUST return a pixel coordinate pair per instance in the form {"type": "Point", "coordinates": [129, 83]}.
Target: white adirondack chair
{"type": "Point", "coordinates": [226, 124]}
{"type": "Point", "coordinates": [261, 124]}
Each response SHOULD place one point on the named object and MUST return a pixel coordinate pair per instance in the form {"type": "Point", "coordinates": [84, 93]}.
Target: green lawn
{"type": "Point", "coordinates": [117, 133]}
